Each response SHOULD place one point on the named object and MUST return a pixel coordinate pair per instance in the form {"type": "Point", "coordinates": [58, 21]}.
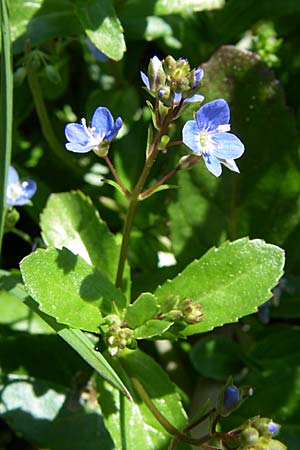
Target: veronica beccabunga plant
{"type": "Point", "coordinates": [88, 287]}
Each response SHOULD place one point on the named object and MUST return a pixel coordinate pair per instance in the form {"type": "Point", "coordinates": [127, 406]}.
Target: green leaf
{"type": "Point", "coordinates": [140, 429]}
{"type": "Point", "coordinates": [229, 282]}
{"type": "Point", "coordinates": [163, 7]}
{"type": "Point", "coordinates": [75, 338]}
{"type": "Point", "coordinates": [42, 20]}
{"type": "Point", "coordinates": [72, 292]}
{"type": "Point", "coordinates": [144, 308]}
{"type": "Point", "coordinates": [18, 316]}
{"type": "Point", "coordinates": [217, 357]}
{"type": "Point", "coordinates": [52, 416]}
{"type": "Point", "coordinates": [102, 26]}
{"type": "Point", "coordinates": [152, 328]}
{"type": "Point", "coordinates": [70, 220]}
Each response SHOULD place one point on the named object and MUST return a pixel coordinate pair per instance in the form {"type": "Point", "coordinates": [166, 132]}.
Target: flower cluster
{"type": "Point", "coordinates": [18, 192]}
{"type": "Point", "coordinates": [258, 433]}
{"type": "Point", "coordinates": [172, 81]}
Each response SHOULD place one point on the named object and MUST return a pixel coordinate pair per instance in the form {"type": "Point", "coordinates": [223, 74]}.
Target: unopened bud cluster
{"type": "Point", "coordinates": [171, 81]}
{"type": "Point", "coordinates": [258, 434]}
{"type": "Point", "coordinates": [118, 337]}
{"type": "Point", "coordinates": [179, 76]}
{"type": "Point", "coordinates": [185, 311]}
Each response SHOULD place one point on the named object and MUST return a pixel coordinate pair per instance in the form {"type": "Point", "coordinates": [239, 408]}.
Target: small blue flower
{"type": "Point", "coordinates": [207, 136]}
{"type": "Point", "coordinates": [18, 193]}
{"type": "Point", "coordinates": [104, 129]}
{"type": "Point", "coordinates": [273, 427]}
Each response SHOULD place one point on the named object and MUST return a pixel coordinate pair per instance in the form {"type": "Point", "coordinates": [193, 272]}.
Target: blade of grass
{"type": "Point", "coordinates": [6, 109]}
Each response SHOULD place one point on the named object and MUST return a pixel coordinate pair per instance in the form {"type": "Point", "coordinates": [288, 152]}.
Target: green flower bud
{"type": "Point", "coordinates": [249, 436]}
{"type": "Point", "coordinates": [19, 76]}
{"type": "Point", "coordinates": [276, 445]}
{"type": "Point", "coordinates": [11, 218]}
{"type": "Point", "coordinates": [169, 65]}
{"type": "Point", "coordinates": [52, 74]}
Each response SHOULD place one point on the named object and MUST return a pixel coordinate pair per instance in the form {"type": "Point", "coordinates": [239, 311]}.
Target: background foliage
{"type": "Point", "coordinates": [250, 55]}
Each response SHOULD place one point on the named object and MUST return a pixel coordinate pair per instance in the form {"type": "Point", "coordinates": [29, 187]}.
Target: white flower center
{"type": "Point", "coordinates": [94, 137]}
{"type": "Point", "coordinates": [207, 142]}
{"type": "Point", "coordinates": [14, 191]}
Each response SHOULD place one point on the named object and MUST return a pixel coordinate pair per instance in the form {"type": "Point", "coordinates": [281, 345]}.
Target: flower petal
{"type": "Point", "coordinates": [177, 98]}
{"type": "Point", "coordinates": [77, 134]}
{"type": "Point", "coordinates": [117, 125]}
{"type": "Point", "coordinates": [28, 190]}
{"type": "Point", "coordinates": [228, 146]}
{"type": "Point", "coordinates": [145, 80]}
{"type": "Point", "coordinates": [213, 114]}
{"type": "Point", "coordinates": [230, 164]}
{"type": "Point", "coordinates": [79, 148]}
{"type": "Point", "coordinates": [102, 121]}
{"type": "Point", "coordinates": [12, 176]}
{"type": "Point", "coordinates": [198, 74]}
{"type": "Point", "coordinates": [195, 98]}
{"type": "Point", "coordinates": [213, 164]}
{"type": "Point", "coordinates": [191, 136]}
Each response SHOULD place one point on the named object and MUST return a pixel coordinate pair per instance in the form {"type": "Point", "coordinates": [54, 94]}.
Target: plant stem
{"type": "Point", "coordinates": [151, 189]}
{"type": "Point", "coordinates": [22, 235]}
{"type": "Point", "coordinates": [115, 174]}
{"type": "Point", "coordinates": [178, 435]}
{"type": "Point", "coordinates": [134, 197]}
{"type": "Point", "coordinates": [44, 119]}
{"type": "Point", "coordinates": [6, 112]}
{"type": "Point", "coordinates": [197, 421]}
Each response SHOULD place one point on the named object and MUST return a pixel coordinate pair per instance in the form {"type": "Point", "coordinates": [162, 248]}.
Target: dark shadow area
{"type": "Point", "coordinates": [70, 424]}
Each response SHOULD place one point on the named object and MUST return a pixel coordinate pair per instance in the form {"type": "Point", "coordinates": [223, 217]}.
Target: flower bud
{"type": "Point", "coordinates": [52, 74]}
{"type": "Point", "coordinates": [169, 65]}
{"type": "Point", "coordinates": [156, 74]}
{"type": "Point", "coordinates": [19, 76]}
{"type": "Point", "coordinates": [189, 161]}
{"type": "Point", "coordinates": [11, 218]}
{"type": "Point", "coordinates": [249, 436]}
{"type": "Point", "coordinates": [265, 427]}
{"type": "Point", "coordinates": [229, 399]}
{"type": "Point", "coordinates": [276, 445]}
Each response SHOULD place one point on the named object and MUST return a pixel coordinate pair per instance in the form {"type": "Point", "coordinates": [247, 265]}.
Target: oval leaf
{"type": "Point", "coordinates": [144, 308]}
{"type": "Point", "coordinates": [102, 26]}
{"type": "Point", "coordinates": [72, 292]}
{"type": "Point", "coordinates": [229, 282]}
{"type": "Point", "coordinates": [70, 220]}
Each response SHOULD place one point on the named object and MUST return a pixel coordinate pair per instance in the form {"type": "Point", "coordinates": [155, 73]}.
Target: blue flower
{"type": "Point", "coordinates": [18, 193]}
{"type": "Point", "coordinates": [207, 136]}
{"type": "Point", "coordinates": [104, 129]}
